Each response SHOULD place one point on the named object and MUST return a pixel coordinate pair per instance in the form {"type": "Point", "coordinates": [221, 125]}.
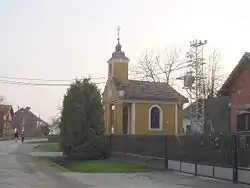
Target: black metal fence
{"type": "Point", "coordinates": [230, 150]}
{"type": "Point", "coordinates": [243, 146]}
{"type": "Point", "coordinates": [205, 149]}
{"type": "Point", "coordinates": [154, 146]}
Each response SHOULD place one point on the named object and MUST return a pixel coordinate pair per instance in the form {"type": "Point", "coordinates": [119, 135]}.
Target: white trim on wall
{"type": "Point", "coordinates": [112, 74]}
{"type": "Point", "coordinates": [129, 120]}
{"type": "Point", "coordinates": [176, 118]}
{"type": "Point", "coordinates": [161, 118]}
{"type": "Point", "coordinates": [133, 118]}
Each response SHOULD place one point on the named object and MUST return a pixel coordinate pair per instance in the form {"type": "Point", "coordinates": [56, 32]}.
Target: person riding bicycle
{"type": "Point", "coordinates": [22, 135]}
{"type": "Point", "coordinates": [15, 134]}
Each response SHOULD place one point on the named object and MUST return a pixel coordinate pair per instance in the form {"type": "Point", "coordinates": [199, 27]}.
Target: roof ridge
{"type": "Point", "coordinates": [5, 105]}
{"type": "Point", "coordinates": [146, 81]}
{"type": "Point", "coordinates": [27, 111]}
{"type": "Point", "coordinates": [32, 113]}
{"type": "Point", "coordinates": [239, 68]}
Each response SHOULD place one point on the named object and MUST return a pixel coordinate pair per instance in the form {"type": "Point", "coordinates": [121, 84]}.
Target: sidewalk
{"type": "Point", "coordinates": [27, 139]}
{"type": "Point", "coordinates": [5, 138]}
{"type": "Point", "coordinates": [161, 179]}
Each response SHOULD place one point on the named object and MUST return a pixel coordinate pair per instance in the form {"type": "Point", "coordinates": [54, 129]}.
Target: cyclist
{"type": "Point", "coordinates": [22, 135]}
{"type": "Point", "coordinates": [15, 134]}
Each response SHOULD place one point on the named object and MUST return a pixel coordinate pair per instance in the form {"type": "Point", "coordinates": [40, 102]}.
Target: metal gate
{"type": "Point", "coordinates": [242, 157]}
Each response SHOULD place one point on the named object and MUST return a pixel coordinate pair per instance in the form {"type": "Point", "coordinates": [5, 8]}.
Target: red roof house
{"type": "Point", "coordinates": [237, 86]}
{"type": "Point", "coordinates": [26, 119]}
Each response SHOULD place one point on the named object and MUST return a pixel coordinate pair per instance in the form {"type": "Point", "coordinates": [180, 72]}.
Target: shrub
{"type": "Point", "coordinates": [81, 126]}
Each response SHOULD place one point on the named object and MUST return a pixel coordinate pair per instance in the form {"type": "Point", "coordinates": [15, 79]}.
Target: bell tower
{"type": "Point", "coordinates": [118, 63]}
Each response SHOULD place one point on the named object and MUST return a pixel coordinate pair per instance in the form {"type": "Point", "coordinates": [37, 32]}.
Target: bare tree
{"type": "Point", "coordinates": [55, 121]}
{"type": "Point", "coordinates": [213, 77]}
{"type": "Point", "coordinates": [152, 67]}
{"type": "Point", "coordinates": [2, 98]}
{"type": "Point", "coordinates": [170, 65]}
{"type": "Point", "coordinates": [147, 69]}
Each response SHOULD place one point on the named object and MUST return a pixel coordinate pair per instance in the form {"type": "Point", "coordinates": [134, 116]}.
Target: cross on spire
{"type": "Point", "coordinates": [118, 33]}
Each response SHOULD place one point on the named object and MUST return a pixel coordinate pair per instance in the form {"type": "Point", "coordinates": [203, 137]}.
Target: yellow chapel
{"type": "Point", "coordinates": [139, 107]}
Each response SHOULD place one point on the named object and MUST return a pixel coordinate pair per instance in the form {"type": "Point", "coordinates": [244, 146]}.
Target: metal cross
{"type": "Point", "coordinates": [118, 32]}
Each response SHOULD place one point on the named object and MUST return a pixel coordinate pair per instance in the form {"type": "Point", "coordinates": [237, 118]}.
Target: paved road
{"type": "Point", "coordinates": [19, 170]}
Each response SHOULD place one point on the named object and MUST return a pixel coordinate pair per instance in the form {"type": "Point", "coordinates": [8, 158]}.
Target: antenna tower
{"type": "Point", "coordinates": [194, 83]}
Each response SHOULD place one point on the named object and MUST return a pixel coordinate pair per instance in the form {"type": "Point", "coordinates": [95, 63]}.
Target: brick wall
{"type": "Point", "coordinates": [240, 96]}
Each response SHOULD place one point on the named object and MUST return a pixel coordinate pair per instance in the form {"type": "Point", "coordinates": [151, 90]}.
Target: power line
{"type": "Point", "coordinates": [42, 79]}
{"type": "Point", "coordinates": [48, 80]}
{"type": "Point", "coordinates": [38, 84]}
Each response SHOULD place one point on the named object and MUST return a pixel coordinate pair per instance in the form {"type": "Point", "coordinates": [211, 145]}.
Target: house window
{"type": "Point", "coordinates": [243, 122]}
{"type": "Point", "coordinates": [155, 118]}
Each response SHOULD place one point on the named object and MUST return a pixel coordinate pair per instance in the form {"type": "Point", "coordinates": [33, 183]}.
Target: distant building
{"type": "Point", "coordinates": [6, 115]}
{"type": "Point", "coordinates": [217, 116]}
{"type": "Point", "coordinates": [33, 125]}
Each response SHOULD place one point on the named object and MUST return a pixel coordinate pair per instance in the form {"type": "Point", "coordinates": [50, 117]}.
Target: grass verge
{"type": "Point", "coordinates": [39, 142]}
{"type": "Point", "coordinates": [105, 166]}
{"type": "Point", "coordinates": [49, 147]}
{"type": "Point", "coordinates": [54, 165]}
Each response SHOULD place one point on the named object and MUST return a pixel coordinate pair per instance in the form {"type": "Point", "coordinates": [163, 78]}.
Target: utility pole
{"type": "Point", "coordinates": [39, 122]}
{"type": "Point", "coordinates": [194, 83]}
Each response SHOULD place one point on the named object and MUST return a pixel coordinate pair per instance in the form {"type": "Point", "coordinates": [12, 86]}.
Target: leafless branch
{"type": "Point", "coordinates": [152, 67]}
{"type": "Point", "coordinates": [155, 68]}
{"type": "Point", "coordinates": [213, 76]}
{"type": "Point", "coordinates": [55, 121]}
{"type": "Point", "coordinates": [170, 64]}
{"type": "Point", "coordinates": [2, 98]}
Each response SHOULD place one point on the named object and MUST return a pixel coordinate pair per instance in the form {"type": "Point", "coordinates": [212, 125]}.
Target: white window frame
{"type": "Point", "coordinates": [161, 118]}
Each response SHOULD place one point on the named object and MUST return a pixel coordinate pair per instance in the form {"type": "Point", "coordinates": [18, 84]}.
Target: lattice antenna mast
{"type": "Point", "coordinates": [194, 83]}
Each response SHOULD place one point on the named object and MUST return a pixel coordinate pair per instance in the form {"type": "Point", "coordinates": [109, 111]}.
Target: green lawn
{"type": "Point", "coordinates": [105, 166]}
{"type": "Point", "coordinates": [50, 147]}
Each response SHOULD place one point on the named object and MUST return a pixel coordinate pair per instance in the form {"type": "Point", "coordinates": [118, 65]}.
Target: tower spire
{"type": "Point", "coordinates": [118, 53]}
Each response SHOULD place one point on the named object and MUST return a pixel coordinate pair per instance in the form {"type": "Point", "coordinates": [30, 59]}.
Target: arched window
{"type": "Point", "coordinates": [155, 118]}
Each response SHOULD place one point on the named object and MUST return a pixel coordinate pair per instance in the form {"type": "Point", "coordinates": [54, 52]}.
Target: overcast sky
{"type": "Point", "coordinates": [65, 39]}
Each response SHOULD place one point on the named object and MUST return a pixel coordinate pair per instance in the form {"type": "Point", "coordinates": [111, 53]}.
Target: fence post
{"type": "Point", "coordinates": [124, 143]}
{"type": "Point", "coordinates": [235, 158]}
{"type": "Point", "coordinates": [141, 146]}
{"type": "Point", "coordinates": [166, 152]}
